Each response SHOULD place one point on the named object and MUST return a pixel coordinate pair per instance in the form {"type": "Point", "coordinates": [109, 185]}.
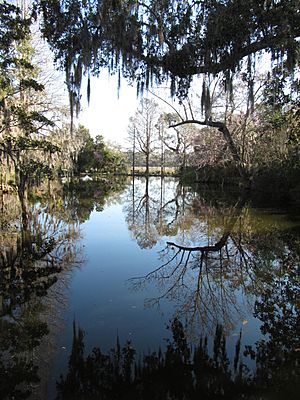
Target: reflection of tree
{"type": "Point", "coordinates": [81, 198]}
{"type": "Point", "coordinates": [172, 210]}
{"type": "Point", "coordinates": [38, 247]}
{"type": "Point", "coordinates": [32, 255]}
{"type": "Point", "coordinates": [151, 212]}
{"type": "Point", "coordinates": [180, 372]}
{"type": "Point", "coordinates": [197, 278]}
{"type": "Point", "coordinates": [139, 214]}
{"type": "Point", "coordinates": [238, 254]}
{"type": "Point", "coordinates": [216, 280]}
{"type": "Point", "coordinates": [278, 354]}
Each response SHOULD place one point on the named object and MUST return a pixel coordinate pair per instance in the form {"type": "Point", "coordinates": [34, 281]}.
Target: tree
{"type": "Point", "coordinates": [155, 41]}
{"type": "Point", "coordinates": [95, 154]}
{"type": "Point", "coordinates": [21, 147]}
{"type": "Point", "coordinates": [107, 158]}
{"type": "Point", "coordinates": [143, 129]}
{"type": "Point", "coordinates": [26, 116]}
{"type": "Point", "coordinates": [85, 157]}
{"type": "Point", "coordinates": [178, 140]}
{"type": "Point", "coordinates": [169, 39]}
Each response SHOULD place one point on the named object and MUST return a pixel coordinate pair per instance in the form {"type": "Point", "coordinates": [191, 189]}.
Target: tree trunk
{"type": "Point", "coordinates": [147, 164]}
{"type": "Point", "coordinates": [22, 193]}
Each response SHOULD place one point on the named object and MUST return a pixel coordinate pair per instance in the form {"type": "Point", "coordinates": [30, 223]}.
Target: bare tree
{"type": "Point", "coordinates": [143, 132]}
{"type": "Point", "coordinates": [178, 140]}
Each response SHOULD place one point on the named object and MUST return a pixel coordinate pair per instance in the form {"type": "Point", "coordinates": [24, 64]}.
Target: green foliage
{"type": "Point", "coordinates": [24, 143]}
{"type": "Point", "coordinates": [13, 28]}
{"type": "Point", "coordinates": [86, 154]}
{"type": "Point", "coordinates": [24, 146]}
{"type": "Point", "coordinates": [96, 156]}
{"type": "Point", "coordinates": [17, 71]}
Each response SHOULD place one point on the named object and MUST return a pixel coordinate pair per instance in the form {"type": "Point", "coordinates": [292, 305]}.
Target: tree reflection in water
{"type": "Point", "coordinates": [178, 373]}
{"type": "Point", "coordinates": [181, 372]}
{"type": "Point", "coordinates": [151, 212]}
{"type": "Point", "coordinates": [277, 307]}
{"type": "Point", "coordinates": [223, 258]}
{"type": "Point", "coordinates": [39, 246]}
{"type": "Point", "coordinates": [204, 281]}
{"type": "Point", "coordinates": [188, 372]}
{"type": "Point", "coordinates": [241, 260]}
{"type": "Point", "coordinates": [36, 247]}
{"type": "Point", "coordinates": [222, 255]}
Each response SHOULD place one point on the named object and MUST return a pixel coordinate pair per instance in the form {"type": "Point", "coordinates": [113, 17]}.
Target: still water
{"type": "Point", "coordinates": [148, 264]}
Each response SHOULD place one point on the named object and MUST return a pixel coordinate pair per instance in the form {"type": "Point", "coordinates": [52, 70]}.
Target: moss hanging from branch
{"type": "Point", "coordinates": [155, 41]}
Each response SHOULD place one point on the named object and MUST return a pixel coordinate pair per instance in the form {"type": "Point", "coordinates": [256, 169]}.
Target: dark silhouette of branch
{"type": "Point", "coordinates": [228, 138]}
{"type": "Point", "coordinates": [203, 249]}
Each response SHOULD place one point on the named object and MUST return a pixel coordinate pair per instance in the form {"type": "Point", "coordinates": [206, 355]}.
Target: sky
{"type": "Point", "coordinates": [108, 114]}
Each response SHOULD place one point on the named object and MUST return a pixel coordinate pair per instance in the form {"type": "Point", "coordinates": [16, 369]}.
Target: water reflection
{"type": "Point", "coordinates": [277, 307]}
{"type": "Point", "coordinates": [180, 372]}
{"type": "Point", "coordinates": [40, 232]}
{"type": "Point", "coordinates": [223, 259]}
{"type": "Point", "coordinates": [37, 247]}
{"type": "Point", "coordinates": [81, 198]}
{"type": "Point", "coordinates": [203, 281]}
{"type": "Point", "coordinates": [212, 257]}
{"type": "Point", "coordinates": [153, 209]}
{"type": "Point", "coordinates": [140, 216]}
{"type": "Point", "coordinates": [227, 261]}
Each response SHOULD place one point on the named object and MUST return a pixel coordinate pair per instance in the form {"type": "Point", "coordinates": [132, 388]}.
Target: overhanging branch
{"type": "Point", "coordinates": [228, 138]}
{"type": "Point", "coordinates": [231, 59]}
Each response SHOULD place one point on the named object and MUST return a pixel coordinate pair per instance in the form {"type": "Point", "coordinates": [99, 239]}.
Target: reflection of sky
{"type": "Point", "coordinates": [101, 302]}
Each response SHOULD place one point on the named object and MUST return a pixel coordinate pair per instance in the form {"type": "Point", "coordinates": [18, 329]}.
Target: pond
{"type": "Point", "coordinates": [187, 291]}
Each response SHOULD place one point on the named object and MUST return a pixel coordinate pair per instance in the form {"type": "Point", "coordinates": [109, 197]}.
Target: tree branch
{"type": "Point", "coordinates": [203, 249]}
{"type": "Point", "coordinates": [227, 136]}
{"type": "Point", "coordinates": [229, 61]}
{"type": "Point", "coordinates": [165, 101]}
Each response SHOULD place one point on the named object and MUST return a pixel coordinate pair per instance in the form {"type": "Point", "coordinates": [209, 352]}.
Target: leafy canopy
{"type": "Point", "coordinates": [157, 40]}
{"type": "Point", "coordinates": [13, 28]}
